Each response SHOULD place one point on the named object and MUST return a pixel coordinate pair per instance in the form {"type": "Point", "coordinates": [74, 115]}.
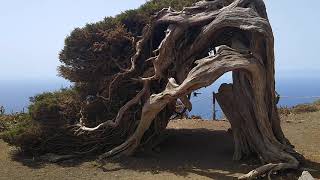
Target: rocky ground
{"type": "Point", "coordinates": [192, 149]}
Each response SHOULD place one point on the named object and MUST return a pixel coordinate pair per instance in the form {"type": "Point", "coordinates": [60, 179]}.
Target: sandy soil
{"type": "Point", "coordinates": [192, 149]}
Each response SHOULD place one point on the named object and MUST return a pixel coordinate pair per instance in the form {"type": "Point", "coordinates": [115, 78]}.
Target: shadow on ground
{"type": "Point", "coordinates": [38, 163]}
{"type": "Point", "coordinates": [203, 152]}
{"type": "Point", "coordinates": [197, 151]}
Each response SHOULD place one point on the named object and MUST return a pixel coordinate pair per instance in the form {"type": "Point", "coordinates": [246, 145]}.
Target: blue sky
{"type": "Point", "coordinates": [32, 33]}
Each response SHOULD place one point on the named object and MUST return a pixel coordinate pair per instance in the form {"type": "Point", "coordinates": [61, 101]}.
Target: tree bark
{"type": "Point", "coordinates": [242, 35]}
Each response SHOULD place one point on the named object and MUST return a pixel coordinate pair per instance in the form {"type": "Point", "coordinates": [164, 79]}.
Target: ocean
{"type": "Point", "coordinates": [293, 91]}
{"type": "Point", "coordinates": [14, 95]}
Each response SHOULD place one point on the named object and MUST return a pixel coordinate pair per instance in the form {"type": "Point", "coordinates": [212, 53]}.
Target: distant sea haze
{"type": "Point", "coordinates": [14, 95]}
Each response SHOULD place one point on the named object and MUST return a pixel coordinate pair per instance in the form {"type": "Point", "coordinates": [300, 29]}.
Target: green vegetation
{"type": "Point", "coordinates": [49, 114]}
{"type": "Point", "coordinates": [91, 57]}
{"type": "Point", "coordinates": [62, 105]}
{"type": "Point", "coordinates": [18, 129]}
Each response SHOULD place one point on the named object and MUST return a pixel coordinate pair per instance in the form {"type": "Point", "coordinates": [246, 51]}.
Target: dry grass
{"type": "Point", "coordinates": [299, 109]}
{"type": "Point", "coordinates": [303, 130]}
{"type": "Point", "coordinates": [193, 149]}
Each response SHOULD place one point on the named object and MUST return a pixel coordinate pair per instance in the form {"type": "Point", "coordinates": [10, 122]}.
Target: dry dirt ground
{"type": "Point", "coordinates": [192, 149]}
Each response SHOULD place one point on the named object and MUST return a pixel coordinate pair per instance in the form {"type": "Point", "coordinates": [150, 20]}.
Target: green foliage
{"type": "Point", "coordinates": [135, 20]}
{"type": "Point", "coordinates": [14, 125]}
{"type": "Point", "coordinates": [156, 5]}
{"type": "Point", "coordinates": [20, 130]}
{"type": "Point", "coordinates": [62, 105]}
{"type": "Point", "coordinates": [94, 53]}
{"type": "Point", "coordinates": [25, 133]}
{"type": "Point", "coordinates": [49, 114]}
{"type": "Point", "coordinates": [44, 102]}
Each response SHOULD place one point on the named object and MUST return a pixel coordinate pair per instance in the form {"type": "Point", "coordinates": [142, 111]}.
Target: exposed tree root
{"type": "Point", "coordinates": [269, 168]}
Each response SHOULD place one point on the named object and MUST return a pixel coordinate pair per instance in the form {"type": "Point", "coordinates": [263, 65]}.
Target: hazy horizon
{"type": "Point", "coordinates": [33, 34]}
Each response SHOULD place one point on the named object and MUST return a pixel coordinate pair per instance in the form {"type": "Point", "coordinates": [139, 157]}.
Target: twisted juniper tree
{"type": "Point", "coordinates": [178, 52]}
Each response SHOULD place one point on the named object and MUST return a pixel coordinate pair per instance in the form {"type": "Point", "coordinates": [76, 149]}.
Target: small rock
{"type": "Point", "coordinates": [306, 176]}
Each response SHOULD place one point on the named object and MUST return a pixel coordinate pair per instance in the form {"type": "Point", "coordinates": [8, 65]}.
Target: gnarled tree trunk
{"type": "Point", "coordinates": [183, 51]}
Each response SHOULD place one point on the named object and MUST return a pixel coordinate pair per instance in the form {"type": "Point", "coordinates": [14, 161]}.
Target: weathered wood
{"type": "Point", "coordinates": [240, 33]}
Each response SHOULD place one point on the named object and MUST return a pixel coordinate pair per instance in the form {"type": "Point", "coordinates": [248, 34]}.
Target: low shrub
{"type": "Point", "coordinates": [301, 108]}
{"type": "Point", "coordinates": [195, 117]}
{"type": "Point", "coordinates": [317, 103]}
{"type": "Point", "coordinates": [304, 108]}
{"type": "Point", "coordinates": [284, 111]}
{"type": "Point", "coordinates": [49, 116]}
{"type": "Point", "coordinates": [14, 127]}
